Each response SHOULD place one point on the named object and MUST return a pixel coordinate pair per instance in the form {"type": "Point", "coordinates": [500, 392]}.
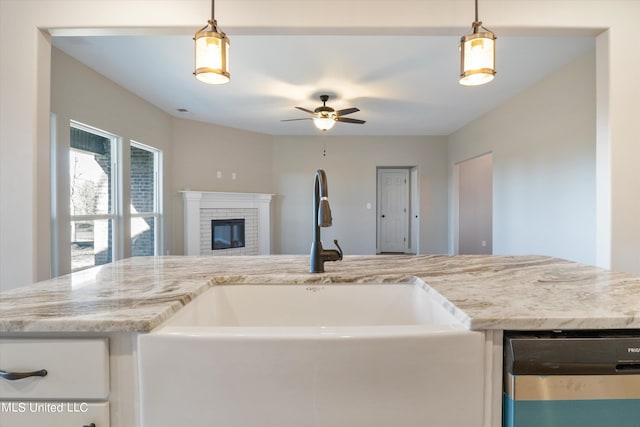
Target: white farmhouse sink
{"type": "Point", "coordinates": [318, 305]}
{"type": "Point", "coordinates": [331, 355]}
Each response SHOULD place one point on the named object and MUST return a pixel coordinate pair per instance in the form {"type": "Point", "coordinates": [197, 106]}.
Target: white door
{"type": "Point", "coordinates": [393, 210]}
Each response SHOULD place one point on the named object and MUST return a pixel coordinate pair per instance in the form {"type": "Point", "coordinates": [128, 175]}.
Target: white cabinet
{"type": "Point", "coordinates": [73, 392]}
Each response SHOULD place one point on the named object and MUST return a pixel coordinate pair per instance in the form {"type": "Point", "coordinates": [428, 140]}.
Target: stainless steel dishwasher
{"type": "Point", "coordinates": [572, 379]}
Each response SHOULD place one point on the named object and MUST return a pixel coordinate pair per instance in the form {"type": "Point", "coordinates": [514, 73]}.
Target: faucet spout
{"type": "Point", "coordinates": [321, 218]}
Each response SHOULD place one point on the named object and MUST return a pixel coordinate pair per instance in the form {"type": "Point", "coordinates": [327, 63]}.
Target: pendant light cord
{"type": "Point", "coordinates": [213, 10]}
{"type": "Point", "coordinates": [477, 24]}
{"type": "Point", "coordinates": [476, 10]}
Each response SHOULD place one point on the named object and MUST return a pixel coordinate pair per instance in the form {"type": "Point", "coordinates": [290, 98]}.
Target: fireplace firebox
{"type": "Point", "coordinates": [227, 233]}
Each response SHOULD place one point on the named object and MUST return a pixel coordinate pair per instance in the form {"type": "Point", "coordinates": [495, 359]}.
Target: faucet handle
{"type": "Point", "coordinates": [339, 250]}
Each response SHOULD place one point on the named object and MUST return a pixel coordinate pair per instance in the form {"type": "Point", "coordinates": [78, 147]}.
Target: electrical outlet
{"type": "Point", "coordinates": [219, 175]}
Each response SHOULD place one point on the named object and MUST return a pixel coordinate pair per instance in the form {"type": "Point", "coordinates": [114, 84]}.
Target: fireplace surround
{"type": "Point", "coordinates": [202, 207]}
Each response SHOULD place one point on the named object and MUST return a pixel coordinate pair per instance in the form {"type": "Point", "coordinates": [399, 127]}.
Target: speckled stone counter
{"type": "Point", "coordinates": [484, 292]}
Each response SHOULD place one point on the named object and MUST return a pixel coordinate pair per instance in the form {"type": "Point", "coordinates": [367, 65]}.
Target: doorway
{"type": "Point", "coordinates": [475, 205]}
{"type": "Point", "coordinates": [397, 214]}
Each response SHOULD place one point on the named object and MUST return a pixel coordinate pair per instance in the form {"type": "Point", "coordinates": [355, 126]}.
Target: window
{"type": "Point", "coordinates": [93, 196]}
{"type": "Point", "coordinates": [100, 230]}
{"type": "Point", "coordinates": [145, 200]}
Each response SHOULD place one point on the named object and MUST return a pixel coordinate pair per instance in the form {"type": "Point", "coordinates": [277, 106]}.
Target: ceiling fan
{"type": "Point", "coordinates": [325, 117]}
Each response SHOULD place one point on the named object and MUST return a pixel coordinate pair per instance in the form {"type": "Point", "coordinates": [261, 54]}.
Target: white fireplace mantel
{"type": "Point", "coordinates": [195, 201]}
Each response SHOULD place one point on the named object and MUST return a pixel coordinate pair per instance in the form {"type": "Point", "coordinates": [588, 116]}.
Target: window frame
{"type": "Point", "coordinates": [157, 213]}
{"type": "Point", "coordinates": [119, 214]}
{"type": "Point", "coordinates": [115, 213]}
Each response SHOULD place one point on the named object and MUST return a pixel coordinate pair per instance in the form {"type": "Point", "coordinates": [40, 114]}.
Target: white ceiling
{"type": "Point", "coordinates": [403, 85]}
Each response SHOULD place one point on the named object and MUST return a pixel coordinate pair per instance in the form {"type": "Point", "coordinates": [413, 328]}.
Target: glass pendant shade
{"type": "Point", "coordinates": [477, 58]}
{"type": "Point", "coordinates": [324, 122]}
{"type": "Point", "coordinates": [212, 55]}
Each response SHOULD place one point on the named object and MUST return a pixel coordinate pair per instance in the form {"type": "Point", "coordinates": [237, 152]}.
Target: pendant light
{"type": "Point", "coordinates": [212, 53]}
{"type": "Point", "coordinates": [477, 55]}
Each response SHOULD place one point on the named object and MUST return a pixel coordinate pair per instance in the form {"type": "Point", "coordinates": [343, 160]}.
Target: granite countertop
{"type": "Point", "coordinates": [484, 292]}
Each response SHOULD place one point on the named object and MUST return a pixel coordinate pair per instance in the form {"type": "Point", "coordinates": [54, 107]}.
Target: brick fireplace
{"type": "Point", "coordinates": [201, 208]}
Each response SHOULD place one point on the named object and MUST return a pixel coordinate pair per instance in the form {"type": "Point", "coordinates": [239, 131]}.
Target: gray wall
{"type": "Point", "coordinates": [286, 167]}
{"type": "Point", "coordinates": [475, 206]}
{"type": "Point", "coordinates": [544, 146]}
{"type": "Point", "coordinates": [81, 94]}
{"type": "Point", "coordinates": [350, 164]}
{"type": "Point", "coordinates": [201, 150]}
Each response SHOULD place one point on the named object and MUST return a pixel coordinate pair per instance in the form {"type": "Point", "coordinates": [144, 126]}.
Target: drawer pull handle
{"type": "Point", "coordinates": [90, 425]}
{"type": "Point", "coordinates": [12, 376]}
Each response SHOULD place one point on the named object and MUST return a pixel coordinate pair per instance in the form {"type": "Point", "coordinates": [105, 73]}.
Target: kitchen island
{"type": "Point", "coordinates": [492, 294]}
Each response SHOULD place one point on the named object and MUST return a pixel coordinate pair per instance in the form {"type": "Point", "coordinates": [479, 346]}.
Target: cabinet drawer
{"type": "Point", "coordinates": [77, 369]}
{"type": "Point", "coordinates": [53, 414]}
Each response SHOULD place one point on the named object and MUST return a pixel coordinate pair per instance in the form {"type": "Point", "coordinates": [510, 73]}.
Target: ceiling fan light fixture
{"type": "Point", "coordinates": [212, 53]}
{"type": "Point", "coordinates": [324, 122]}
{"type": "Point", "coordinates": [477, 55]}
{"type": "Point", "coordinates": [325, 117]}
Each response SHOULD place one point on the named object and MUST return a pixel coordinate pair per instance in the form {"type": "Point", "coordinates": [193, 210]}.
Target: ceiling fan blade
{"type": "Point", "coordinates": [293, 120]}
{"type": "Point", "coordinates": [347, 111]}
{"type": "Point", "coordinates": [305, 110]}
{"type": "Point", "coordinates": [348, 120]}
